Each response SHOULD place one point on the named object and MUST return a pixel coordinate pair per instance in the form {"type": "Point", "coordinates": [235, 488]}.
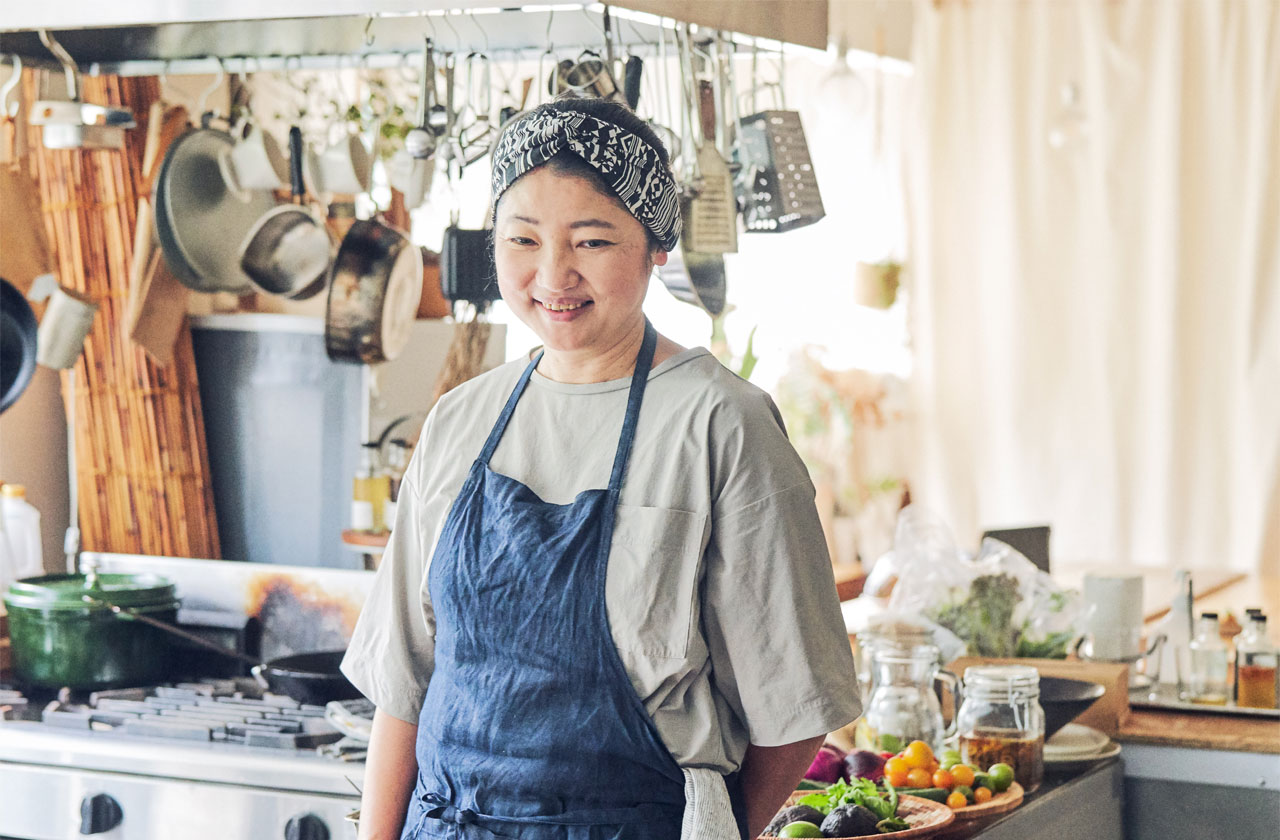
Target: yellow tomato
{"type": "Point", "coordinates": [963, 774]}
{"type": "Point", "coordinates": [918, 778]}
{"type": "Point", "coordinates": [918, 754]}
{"type": "Point", "coordinates": [897, 778]}
{"type": "Point", "coordinates": [943, 779]}
{"type": "Point", "coordinates": [896, 764]}
{"type": "Point", "coordinates": [982, 794]}
{"type": "Point", "coordinates": [956, 800]}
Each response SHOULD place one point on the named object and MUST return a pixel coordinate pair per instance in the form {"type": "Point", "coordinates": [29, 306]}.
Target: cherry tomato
{"type": "Point", "coordinates": [943, 779]}
{"type": "Point", "coordinates": [933, 767]}
{"type": "Point", "coordinates": [896, 764]}
{"type": "Point", "coordinates": [898, 778]}
{"type": "Point", "coordinates": [963, 774]}
{"type": "Point", "coordinates": [956, 800]}
{"type": "Point", "coordinates": [918, 754]}
{"type": "Point", "coordinates": [918, 777]}
{"type": "Point", "coordinates": [981, 795]}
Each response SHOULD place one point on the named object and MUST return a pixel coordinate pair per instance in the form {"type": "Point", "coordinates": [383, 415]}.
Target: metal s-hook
{"type": "Point", "coordinates": [217, 82]}
{"type": "Point", "coordinates": [69, 68]}
{"type": "Point", "coordinates": [5, 108]}
{"type": "Point", "coordinates": [368, 32]}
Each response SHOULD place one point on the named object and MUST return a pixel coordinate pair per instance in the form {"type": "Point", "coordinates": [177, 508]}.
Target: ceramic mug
{"type": "Point", "coordinates": [344, 166]}
{"type": "Point", "coordinates": [67, 321]}
{"type": "Point", "coordinates": [411, 176]}
{"type": "Point", "coordinates": [257, 163]}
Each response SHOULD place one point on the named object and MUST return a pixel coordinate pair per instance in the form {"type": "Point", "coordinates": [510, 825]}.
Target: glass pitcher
{"type": "Point", "coordinates": [903, 706]}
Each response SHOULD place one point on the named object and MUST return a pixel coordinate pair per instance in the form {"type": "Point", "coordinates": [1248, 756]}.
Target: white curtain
{"type": "Point", "coordinates": [1094, 191]}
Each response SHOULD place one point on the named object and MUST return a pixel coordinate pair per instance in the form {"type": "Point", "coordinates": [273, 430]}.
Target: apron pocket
{"type": "Point", "coordinates": [652, 579]}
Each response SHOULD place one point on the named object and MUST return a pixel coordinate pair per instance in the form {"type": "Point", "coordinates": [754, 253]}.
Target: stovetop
{"type": "Point", "coordinates": [217, 730]}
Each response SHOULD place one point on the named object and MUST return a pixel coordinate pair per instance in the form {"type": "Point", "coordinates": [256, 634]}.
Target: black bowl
{"type": "Point", "coordinates": [1065, 700]}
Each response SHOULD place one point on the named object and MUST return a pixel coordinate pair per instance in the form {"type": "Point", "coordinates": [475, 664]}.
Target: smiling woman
{"type": "Point", "coordinates": [606, 601]}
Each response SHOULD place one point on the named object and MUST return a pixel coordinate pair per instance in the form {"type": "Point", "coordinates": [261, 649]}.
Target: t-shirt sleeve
{"type": "Point", "coordinates": [771, 617]}
{"type": "Point", "coordinates": [392, 651]}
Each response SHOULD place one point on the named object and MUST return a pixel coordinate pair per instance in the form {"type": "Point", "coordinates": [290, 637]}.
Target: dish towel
{"type": "Point", "coordinates": [708, 815]}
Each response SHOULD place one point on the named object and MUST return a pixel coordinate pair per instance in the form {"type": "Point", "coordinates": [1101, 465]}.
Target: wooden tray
{"type": "Point", "coordinates": [998, 804]}
{"type": "Point", "coordinates": [924, 816]}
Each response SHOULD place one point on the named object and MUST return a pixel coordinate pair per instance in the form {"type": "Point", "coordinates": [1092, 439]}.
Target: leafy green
{"type": "Point", "coordinates": [892, 824]}
{"type": "Point", "coordinates": [862, 792]}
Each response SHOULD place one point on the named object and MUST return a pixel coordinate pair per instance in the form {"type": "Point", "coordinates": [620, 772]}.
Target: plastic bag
{"type": "Point", "coordinates": [997, 603]}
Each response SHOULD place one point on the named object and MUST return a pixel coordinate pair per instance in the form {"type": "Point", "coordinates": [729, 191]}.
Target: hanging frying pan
{"type": "Point", "coordinates": [287, 252]}
{"type": "Point", "coordinates": [17, 344]}
{"type": "Point", "coordinates": [373, 295]}
{"type": "Point", "coordinates": [695, 278]}
{"type": "Point", "coordinates": [199, 218]}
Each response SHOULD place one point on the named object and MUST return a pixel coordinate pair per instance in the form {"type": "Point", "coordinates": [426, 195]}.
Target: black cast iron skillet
{"type": "Point", "coordinates": [310, 678]}
{"type": "Point", "coordinates": [17, 344]}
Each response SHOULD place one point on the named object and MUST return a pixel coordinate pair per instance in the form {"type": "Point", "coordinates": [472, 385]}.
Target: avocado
{"type": "Point", "coordinates": [795, 813]}
{"type": "Point", "coordinates": [850, 821]}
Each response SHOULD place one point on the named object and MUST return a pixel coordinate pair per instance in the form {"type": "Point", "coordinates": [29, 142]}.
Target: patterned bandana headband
{"type": "Point", "coordinates": [626, 163]}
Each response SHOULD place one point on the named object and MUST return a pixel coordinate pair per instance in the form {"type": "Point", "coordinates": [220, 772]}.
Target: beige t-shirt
{"type": "Point", "coordinates": [719, 589]}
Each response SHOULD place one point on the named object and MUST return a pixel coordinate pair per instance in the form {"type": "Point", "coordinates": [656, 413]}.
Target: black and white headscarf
{"type": "Point", "coordinates": [626, 163]}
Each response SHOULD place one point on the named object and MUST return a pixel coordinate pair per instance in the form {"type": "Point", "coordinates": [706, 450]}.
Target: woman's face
{"type": "Point", "coordinates": [572, 263]}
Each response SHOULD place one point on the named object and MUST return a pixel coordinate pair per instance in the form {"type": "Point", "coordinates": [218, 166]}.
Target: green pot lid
{"type": "Point", "coordinates": [65, 592]}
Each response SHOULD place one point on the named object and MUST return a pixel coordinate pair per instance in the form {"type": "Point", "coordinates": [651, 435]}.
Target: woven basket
{"type": "Point", "coordinates": [924, 817]}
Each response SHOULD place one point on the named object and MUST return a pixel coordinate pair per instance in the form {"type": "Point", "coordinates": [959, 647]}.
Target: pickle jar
{"type": "Point", "coordinates": [1001, 721]}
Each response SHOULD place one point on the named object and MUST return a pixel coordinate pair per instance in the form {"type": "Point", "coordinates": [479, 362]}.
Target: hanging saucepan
{"type": "Point", "coordinates": [17, 344]}
{"type": "Point", "coordinates": [287, 252]}
{"type": "Point", "coordinates": [200, 217]}
{"type": "Point", "coordinates": [373, 294]}
{"type": "Point", "coordinates": [88, 632]}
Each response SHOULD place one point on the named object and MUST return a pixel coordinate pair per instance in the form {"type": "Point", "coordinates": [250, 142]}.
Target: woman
{"type": "Point", "coordinates": [522, 691]}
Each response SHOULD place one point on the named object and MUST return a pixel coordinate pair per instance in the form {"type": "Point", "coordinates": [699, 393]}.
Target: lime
{"type": "Point", "coordinates": [800, 829]}
{"type": "Point", "coordinates": [1001, 777]}
{"type": "Point", "coordinates": [950, 758]}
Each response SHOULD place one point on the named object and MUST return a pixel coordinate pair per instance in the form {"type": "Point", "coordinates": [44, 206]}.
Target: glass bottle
{"type": "Point", "coordinates": [1001, 720]}
{"type": "Point", "coordinates": [366, 502]}
{"type": "Point", "coordinates": [1256, 660]}
{"type": "Point", "coordinates": [1208, 684]}
{"type": "Point", "coordinates": [394, 470]}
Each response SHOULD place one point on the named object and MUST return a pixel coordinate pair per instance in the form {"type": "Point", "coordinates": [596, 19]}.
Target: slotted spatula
{"type": "Point", "coordinates": [711, 215]}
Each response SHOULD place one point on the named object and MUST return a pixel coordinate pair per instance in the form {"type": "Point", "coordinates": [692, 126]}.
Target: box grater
{"type": "Point", "coordinates": [777, 186]}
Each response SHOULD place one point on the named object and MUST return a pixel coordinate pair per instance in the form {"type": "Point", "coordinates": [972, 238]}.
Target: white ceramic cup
{"type": "Point", "coordinates": [67, 321]}
{"type": "Point", "coordinates": [344, 166]}
{"type": "Point", "coordinates": [411, 176]}
{"type": "Point", "coordinates": [1113, 623]}
{"type": "Point", "coordinates": [257, 162]}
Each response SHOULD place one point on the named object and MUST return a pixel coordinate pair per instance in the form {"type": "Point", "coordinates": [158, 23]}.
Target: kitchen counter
{"type": "Point", "coordinates": [1205, 731]}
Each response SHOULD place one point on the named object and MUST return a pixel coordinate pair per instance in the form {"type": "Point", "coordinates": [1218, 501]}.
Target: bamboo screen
{"type": "Point", "coordinates": [143, 466]}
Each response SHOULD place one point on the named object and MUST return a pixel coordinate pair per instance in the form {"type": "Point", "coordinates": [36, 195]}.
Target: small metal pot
{"type": "Point", "coordinates": [60, 640]}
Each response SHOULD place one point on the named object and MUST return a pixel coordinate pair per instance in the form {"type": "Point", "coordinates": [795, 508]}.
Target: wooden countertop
{"type": "Point", "coordinates": [1200, 731]}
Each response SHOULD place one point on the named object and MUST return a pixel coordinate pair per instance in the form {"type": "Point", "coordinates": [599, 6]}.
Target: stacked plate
{"type": "Point", "coordinates": [1075, 746]}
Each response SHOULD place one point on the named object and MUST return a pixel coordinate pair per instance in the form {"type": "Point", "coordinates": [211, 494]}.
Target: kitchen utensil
{"type": "Point", "coordinates": [420, 142]}
{"type": "Point", "coordinates": [17, 344]}
{"type": "Point", "coordinates": [432, 303]}
{"type": "Point", "coordinates": [24, 251]}
{"type": "Point", "coordinates": [591, 76]}
{"type": "Point", "coordinates": [373, 296]}
{"type": "Point", "coordinates": [631, 80]}
{"type": "Point", "coordinates": [343, 167]}
{"type": "Point", "coordinates": [88, 632]}
{"type": "Point", "coordinates": [72, 124]}
{"type": "Point", "coordinates": [287, 252]}
{"type": "Point", "coordinates": [61, 640]}
{"type": "Point", "coordinates": [156, 307]}
{"type": "Point", "coordinates": [467, 270]}
{"type": "Point", "coordinates": [711, 210]}
{"type": "Point", "coordinates": [1064, 700]}
{"type": "Point", "coordinates": [903, 703]}
{"type": "Point", "coordinates": [411, 176]}
{"type": "Point", "coordinates": [200, 219]}
{"type": "Point", "coordinates": [12, 117]}
{"type": "Point", "coordinates": [67, 320]}
{"type": "Point", "coordinates": [695, 278]}
{"type": "Point", "coordinates": [256, 162]}
{"type": "Point", "coordinates": [777, 183]}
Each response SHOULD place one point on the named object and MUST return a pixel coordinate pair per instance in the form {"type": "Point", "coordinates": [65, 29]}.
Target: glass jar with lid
{"type": "Point", "coordinates": [1001, 721]}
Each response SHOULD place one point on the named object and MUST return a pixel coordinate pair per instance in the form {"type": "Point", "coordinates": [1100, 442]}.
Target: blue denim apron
{"type": "Point", "coordinates": [531, 727]}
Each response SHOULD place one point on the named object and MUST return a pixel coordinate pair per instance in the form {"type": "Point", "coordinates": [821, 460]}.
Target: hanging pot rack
{"type": "Point", "coordinates": [379, 41]}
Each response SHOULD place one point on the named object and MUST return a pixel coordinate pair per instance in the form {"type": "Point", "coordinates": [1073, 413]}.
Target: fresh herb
{"type": "Point", "coordinates": [862, 792]}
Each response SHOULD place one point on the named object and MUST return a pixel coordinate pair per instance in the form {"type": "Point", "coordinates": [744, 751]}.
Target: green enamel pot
{"type": "Point", "coordinates": [63, 634]}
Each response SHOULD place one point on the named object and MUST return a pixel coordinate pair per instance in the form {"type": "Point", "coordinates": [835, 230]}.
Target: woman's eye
{"type": "Point", "coordinates": [595, 243]}
{"type": "Point", "coordinates": [520, 240]}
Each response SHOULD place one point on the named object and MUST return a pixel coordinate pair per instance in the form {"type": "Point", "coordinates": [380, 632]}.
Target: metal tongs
{"type": "Point", "coordinates": [72, 124]}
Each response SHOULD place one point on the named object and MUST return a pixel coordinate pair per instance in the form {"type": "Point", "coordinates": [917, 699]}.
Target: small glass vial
{"type": "Point", "coordinates": [1208, 684]}
{"type": "Point", "coordinates": [1256, 661]}
{"type": "Point", "coordinates": [1001, 720]}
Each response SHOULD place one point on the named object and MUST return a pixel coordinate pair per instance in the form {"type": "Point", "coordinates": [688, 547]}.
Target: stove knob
{"type": "Point", "coordinates": [306, 827]}
{"type": "Point", "coordinates": [99, 814]}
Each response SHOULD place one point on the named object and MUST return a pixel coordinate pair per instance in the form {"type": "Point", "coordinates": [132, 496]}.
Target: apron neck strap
{"type": "Point", "coordinates": [639, 378]}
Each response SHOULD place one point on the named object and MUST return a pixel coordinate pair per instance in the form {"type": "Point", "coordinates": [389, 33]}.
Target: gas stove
{"type": "Point", "coordinates": [193, 760]}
